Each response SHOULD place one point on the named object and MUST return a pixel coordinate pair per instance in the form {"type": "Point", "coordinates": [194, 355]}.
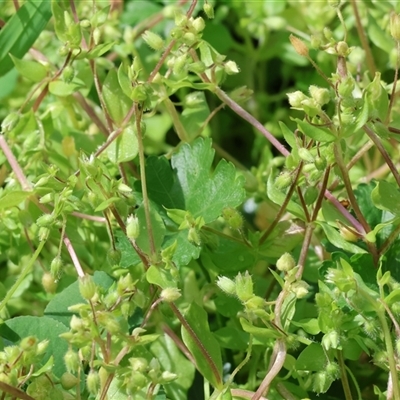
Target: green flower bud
{"type": "Point", "coordinates": [189, 38]}
{"type": "Point", "coordinates": [45, 220]}
{"type": "Point", "coordinates": [68, 74]}
{"type": "Point", "coordinates": [87, 287]}
{"type": "Point", "coordinates": [138, 364]}
{"type": "Point", "coordinates": [342, 49]}
{"type": "Point", "coordinates": [71, 360]}
{"type": "Point", "coordinates": [330, 340]}
{"type": "Point", "coordinates": [227, 285]}
{"type": "Point", "coordinates": [255, 303]}
{"type": "Point", "coordinates": [47, 198]}
{"type": "Point", "coordinates": [283, 181]}
{"type": "Point", "coordinates": [85, 24]}
{"type": "Point", "coordinates": [170, 294]}
{"type": "Point", "coordinates": [209, 10]}
{"type": "Point", "coordinates": [244, 286]}
{"type": "Point", "coordinates": [193, 236]}
{"type": "Point", "coordinates": [176, 33]}
{"type": "Point", "coordinates": [320, 163]}
{"type": "Point", "coordinates": [320, 382]}
{"type": "Point", "coordinates": [132, 227]}
{"type": "Point", "coordinates": [300, 289]}
{"type": "Point", "coordinates": [181, 19]}
{"type": "Point", "coordinates": [43, 233]}
{"type": "Point", "coordinates": [48, 282]}
{"type": "Point", "coordinates": [232, 217]}
{"type": "Point", "coordinates": [333, 370]}
{"type": "Point", "coordinates": [296, 99]}
{"type": "Point", "coordinates": [315, 42]}
{"type": "Point", "coordinates": [139, 94]}
{"type": "Point", "coordinates": [109, 322]}
{"type": "Point", "coordinates": [199, 24]}
{"type": "Point", "coordinates": [114, 256]}
{"type": "Point", "coordinates": [68, 381]}
{"type": "Point", "coordinates": [285, 263]}
{"type": "Point", "coordinates": [96, 36]}
{"type": "Point", "coordinates": [328, 33]}
{"type": "Point", "coordinates": [320, 95]}
{"type": "Point", "coordinates": [395, 26]}
{"type": "Point", "coordinates": [231, 68]}
{"type": "Point", "coordinates": [348, 234]}
{"type": "Point", "coordinates": [310, 195]}
{"type": "Point", "coordinates": [305, 155]}
{"type": "Point", "coordinates": [153, 40]}
{"type": "Point", "coordinates": [197, 67]}
{"type": "Point", "coordinates": [9, 122]}
{"type": "Point", "coordinates": [93, 382]}
{"type": "Point", "coordinates": [299, 46]}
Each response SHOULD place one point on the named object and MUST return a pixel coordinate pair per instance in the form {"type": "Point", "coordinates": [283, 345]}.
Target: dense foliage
{"type": "Point", "coordinates": [199, 200]}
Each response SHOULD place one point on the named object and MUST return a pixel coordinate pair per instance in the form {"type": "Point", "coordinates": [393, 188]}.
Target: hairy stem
{"type": "Point", "coordinates": [343, 376]}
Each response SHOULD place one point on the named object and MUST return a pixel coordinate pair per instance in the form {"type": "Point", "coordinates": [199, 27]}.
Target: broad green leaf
{"type": "Point", "coordinates": [185, 250]}
{"type": "Point", "coordinates": [378, 36]}
{"type": "Point", "coordinates": [312, 358]}
{"type": "Point", "coordinates": [351, 349]}
{"type": "Point", "coordinates": [232, 338]}
{"type": "Point", "coordinates": [278, 197]}
{"type": "Point", "coordinates": [124, 148]}
{"type": "Point", "coordinates": [172, 359]}
{"type": "Point", "coordinates": [44, 328]}
{"type": "Point", "coordinates": [336, 239]}
{"type": "Point", "coordinates": [58, 305]}
{"type": "Point", "coordinates": [160, 277]}
{"type": "Point", "coordinates": [106, 203]}
{"type": "Point", "coordinates": [64, 89]}
{"type": "Point", "coordinates": [128, 254]}
{"type": "Point", "coordinates": [193, 118]}
{"type": "Point", "coordinates": [31, 70]}
{"type": "Point", "coordinates": [227, 306]}
{"type": "Point", "coordinates": [21, 31]}
{"type": "Point", "coordinates": [310, 325]}
{"type": "Point", "coordinates": [386, 196]}
{"type": "Point", "coordinates": [264, 335]}
{"type": "Point", "coordinates": [8, 83]}
{"type": "Point", "coordinates": [210, 366]}
{"type": "Point", "coordinates": [13, 199]}
{"type": "Point", "coordinates": [158, 229]}
{"type": "Point", "coordinates": [97, 51]}
{"type": "Point", "coordinates": [118, 104]}
{"type": "Point", "coordinates": [319, 134]}
{"type": "Point", "coordinates": [288, 135]}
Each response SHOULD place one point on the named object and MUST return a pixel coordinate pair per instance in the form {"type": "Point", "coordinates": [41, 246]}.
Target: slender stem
{"type": "Point", "coordinates": [343, 376]}
{"type": "Point", "coordinates": [390, 353]}
{"type": "Point", "coordinates": [391, 238]}
{"type": "Point", "coordinates": [198, 342]}
{"type": "Point", "coordinates": [14, 392]}
{"type": "Point", "coordinates": [384, 153]}
{"type": "Point", "coordinates": [320, 198]}
{"type": "Point", "coordinates": [142, 164]}
{"type": "Point", "coordinates": [178, 342]}
{"type": "Point", "coordinates": [355, 383]}
{"type": "Point", "coordinates": [393, 95]}
{"type": "Point", "coordinates": [304, 250]}
{"type": "Point", "coordinates": [73, 256]}
{"type": "Point", "coordinates": [244, 394]}
{"type": "Point", "coordinates": [283, 206]}
{"type": "Point", "coordinates": [25, 271]}
{"type": "Point", "coordinates": [280, 350]}
{"type": "Point", "coordinates": [363, 39]}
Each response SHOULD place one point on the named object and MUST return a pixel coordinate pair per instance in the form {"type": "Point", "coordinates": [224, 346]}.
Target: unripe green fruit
{"type": "Point", "coordinates": [209, 10]}
{"type": "Point", "coordinates": [283, 181]}
{"type": "Point", "coordinates": [48, 282]}
{"type": "Point", "coordinates": [87, 287]}
{"type": "Point", "coordinates": [68, 380]}
{"type": "Point", "coordinates": [132, 227]}
{"type": "Point", "coordinates": [114, 256]}
{"type": "Point", "coordinates": [227, 285]}
{"type": "Point", "coordinates": [71, 360]}
{"type": "Point", "coordinates": [310, 195]}
{"type": "Point", "coordinates": [45, 220]}
{"type": "Point", "coordinates": [9, 122]}
{"type": "Point", "coordinates": [305, 155]}
{"type": "Point", "coordinates": [320, 163]}
{"type": "Point", "coordinates": [68, 74]}
{"type": "Point", "coordinates": [285, 263]}
{"type": "Point", "coordinates": [93, 382]}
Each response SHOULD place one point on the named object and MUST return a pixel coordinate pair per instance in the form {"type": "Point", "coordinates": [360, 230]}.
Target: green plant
{"type": "Point", "coordinates": [138, 245]}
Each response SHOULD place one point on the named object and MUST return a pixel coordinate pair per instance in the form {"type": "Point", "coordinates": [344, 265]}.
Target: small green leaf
{"type": "Point", "coordinates": [160, 277]}
{"type": "Point", "coordinates": [21, 31]}
{"type": "Point", "coordinates": [118, 104]}
{"type": "Point", "coordinates": [312, 358]}
{"type": "Point", "coordinates": [13, 199]}
{"type": "Point", "coordinates": [64, 89]}
{"type": "Point", "coordinates": [123, 79]}
{"type": "Point", "coordinates": [262, 334]}
{"type": "Point", "coordinates": [124, 148]}
{"type": "Point", "coordinates": [31, 70]}
{"type": "Point", "coordinates": [386, 196]}
{"type": "Point", "coordinates": [317, 133]}
{"type": "Point", "coordinates": [211, 365]}
{"type": "Point", "coordinates": [310, 325]}
{"type": "Point", "coordinates": [288, 135]}
{"type": "Point", "coordinates": [378, 36]}
{"type": "Point", "coordinates": [106, 203]}
{"type": "Point", "coordinates": [336, 239]}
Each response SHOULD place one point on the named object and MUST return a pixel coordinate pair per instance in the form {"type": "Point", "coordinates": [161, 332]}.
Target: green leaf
{"type": "Point", "coordinates": [44, 328]}
{"type": "Point", "coordinates": [158, 229]}
{"type": "Point", "coordinates": [160, 277]}
{"type": "Point", "coordinates": [312, 358]}
{"type": "Point", "coordinates": [106, 203]}
{"type": "Point", "coordinates": [232, 338]}
{"type": "Point", "coordinates": [13, 199]}
{"type": "Point", "coordinates": [288, 135]}
{"type": "Point", "coordinates": [310, 325]}
{"type": "Point", "coordinates": [191, 186]}
{"type": "Point", "coordinates": [64, 89]}
{"type": "Point", "coordinates": [278, 197]}
{"type": "Point", "coordinates": [58, 305]}
{"type": "Point", "coordinates": [317, 133]}
{"type": "Point", "coordinates": [193, 118]}
{"type": "Point", "coordinates": [172, 359]}
{"type": "Point", "coordinates": [386, 196]}
{"type": "Point", "coordinates": [31, 70]}
{"type": "Point", "coordinates": [117, 103]}
{"type": "Point", "coordinates": [262, 334]}
{"type": "Point", "coordinates": [378, 36]}
{"type": "Point", "coordinates": [336, 239]}
{"type": "Point", "coordinates": [21, 31]}
{"type": "Point", "coordinates": [124, 148]}
{"type": "Point", "coordinates": [197, 319]}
